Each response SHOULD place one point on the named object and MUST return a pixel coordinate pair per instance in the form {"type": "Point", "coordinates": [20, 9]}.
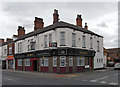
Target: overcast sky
{"type": "Point", "coordinates": [102, 17]}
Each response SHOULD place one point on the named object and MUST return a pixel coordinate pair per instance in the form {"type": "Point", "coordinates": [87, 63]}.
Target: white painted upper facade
{"type": "Point", "coordinates": [56, 37]}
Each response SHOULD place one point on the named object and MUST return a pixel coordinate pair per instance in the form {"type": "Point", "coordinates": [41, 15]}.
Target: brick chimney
{"type": "Point", "coordinates": [79, 21]}
{"type": "Point", "coordinates": [38, 23]}
{"type": "Point", "coordinates": [21, 31]}
{"type": "Point", "coordinates": [1, 41]}
{"type": "Point", "coordinates": [8, 39]}
{"type": "Point", "coordinates": [55, 16]}
{"type": "Point", "coordinates": [86, 27]}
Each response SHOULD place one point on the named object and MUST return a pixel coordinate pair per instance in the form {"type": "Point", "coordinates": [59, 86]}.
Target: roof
{"type": "Point", "coordinates": [5, 43]}
{"type": "Point", "coordinates": [60, 24]}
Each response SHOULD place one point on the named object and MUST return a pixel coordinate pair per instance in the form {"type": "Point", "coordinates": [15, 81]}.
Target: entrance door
{"type": "Point", "coordinates": [35, 65]}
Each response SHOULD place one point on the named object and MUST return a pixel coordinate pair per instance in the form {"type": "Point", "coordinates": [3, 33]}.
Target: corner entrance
{"type": "Point", "coordinates": [35, 65]}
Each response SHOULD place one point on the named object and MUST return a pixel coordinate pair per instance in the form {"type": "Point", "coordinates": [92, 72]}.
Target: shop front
{"type": "Point", "coordinates": [10, 62]}
{"type": "Point", "coordinates": [60, 60]}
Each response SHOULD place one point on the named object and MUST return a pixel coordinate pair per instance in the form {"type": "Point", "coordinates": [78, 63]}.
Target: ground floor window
{"type": "Point", "coordinates": [80, 61]}
{"type": "Point", "coordinates": [10, 64]}
{"type": "Point", "coordinates": [19, 62]}
{"type": "Point", "coordinates": [27, 62]}
{"type": "Point", "coordinates": [70, 61]}
{"type": "Point", "coordinates": [62, 61]}
{"type": "Point", "coordinates": [54, 61]}
{"type": "Point", "coordinates": [44, 61]}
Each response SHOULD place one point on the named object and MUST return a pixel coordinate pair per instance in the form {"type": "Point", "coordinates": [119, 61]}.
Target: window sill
{"type": "Point", "coordinates": [83, 47]}
{"type": "Point", "coordinates": [62, 45]}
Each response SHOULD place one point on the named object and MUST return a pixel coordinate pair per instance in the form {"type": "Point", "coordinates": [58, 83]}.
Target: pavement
{"type": "Point", "coordinates": [107, 76]}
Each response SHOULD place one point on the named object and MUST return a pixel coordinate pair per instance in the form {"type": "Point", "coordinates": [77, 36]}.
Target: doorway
{"type": "Point", "coordinates": [35, 65]}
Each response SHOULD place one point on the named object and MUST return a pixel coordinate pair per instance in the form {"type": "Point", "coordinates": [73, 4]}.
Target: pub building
{"type": "Point", "coordinates": [59, 48]}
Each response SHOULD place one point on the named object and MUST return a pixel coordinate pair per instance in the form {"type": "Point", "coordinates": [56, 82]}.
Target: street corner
{"type": "Point", "coordinates": [65, 75]}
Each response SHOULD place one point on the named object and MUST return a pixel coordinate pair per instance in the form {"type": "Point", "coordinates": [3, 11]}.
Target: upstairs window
{"type": "Point", "coordinates": [45, 41]}
{"type": "Point", "coordinates": [20, 47]}
{"type": "Point", "coordinates": [50, 38]}
{"type": "Point", "coordinates": [73, 39]}
{"type": "Point", "coordinates": [31, 45]}
{"type": "Point", "coordinates": [98, 46]}
{"type": "Point", "coordinates": [5, 51]}
{"type": "Point", "coordinates": [10, 50]}
{"type": "Point", "coordinates": [91, 42]}
{"type": "Point", "coordinates": [62, 38]}
{"type": "Point", "coordinates": [83, 42]}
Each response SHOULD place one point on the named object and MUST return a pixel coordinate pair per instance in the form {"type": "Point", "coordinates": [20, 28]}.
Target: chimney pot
{"type": "Point", "coordinates": [79, 20]}
{"type": "Point", "coordinates": [86, 27]}
{"type": "Point", "coordinates": [38, 23]}
{"type": "Point", "coordinates": [55, 16]}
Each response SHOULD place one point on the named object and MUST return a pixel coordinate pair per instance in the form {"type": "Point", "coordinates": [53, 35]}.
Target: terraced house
{"type": "Point", "coordinates": [59, 48]}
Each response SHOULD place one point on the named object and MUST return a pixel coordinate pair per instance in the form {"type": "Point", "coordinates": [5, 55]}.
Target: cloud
{"type": "Point", "coordinates": [102, 25]}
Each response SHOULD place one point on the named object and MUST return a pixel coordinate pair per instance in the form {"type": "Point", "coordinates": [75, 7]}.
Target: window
{"type": "Point", "coordinates": [83, 42]}
{"type": "Point", "coordinates": [28, 45]}
{"type": "Point", "coordinates": [44, 61]}
{"type": "Point", "coordinates": [27, 62]}
{"type": "Point", "coordinates": [20, 47]}
{"type": "Point", "coordinates": [55, 61]}
{"type": "Point", "coordinates": [10, 50]}
{"type": "Point", "coordinates": [19, 62]}
{"type": "Point", "coordinates": [5, 51]}
{"type": "Point", "coordinates": [70, 61]}
{"type": "Point", "coordinates": [45, 41]}
{"type": "Point", "coordinates": [87, 61]}
{"type": "Point", "coordinates": [50, 38]}
{"type": "Point", "coordinates": [62, 38]}
{"type": "Point", "coordinates": [62, 61]}
{"type": "Point", "coordinates": [80, 61]}
{"type": "Point", "coordinates": [73, 39]}
{"type": "Point", "coordinates": [98, 49]}
{"type": "Point", "coordinates": [90, 42]}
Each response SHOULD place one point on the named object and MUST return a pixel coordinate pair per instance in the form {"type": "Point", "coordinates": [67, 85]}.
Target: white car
{"type": "Point", "coordinates": [117, 66]}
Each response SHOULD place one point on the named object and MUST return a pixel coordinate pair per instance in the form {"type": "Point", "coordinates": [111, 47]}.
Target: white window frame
{"type": "Point", "coordinates": [63, 58]}
{"type": "Point", "coordinates": [62, 38]}
{"type": "Point", "coordinates": [50, 38]}
{"type": "Point", "coordinates": [91, 42]}
{"type": "Point", "coordinates": [44, 62]}
{"type": "Point", "coordinates": [98, 46]}
{"type": "Point", "coordinates": [54, 61]}
{"type": "Point", "coordinates": [10, 50]}
{"type": "Point", "coordinates": [45, 41]}
{"type": "Point", "coordinates": [83, 41]}
{"type": "Point", "coordinates": [27, 62]}
{"type": "Point", "coordinates": [70, 61]}
{"type": "Point", "coordinates": [73, 39]}
{"type": "Point", "coordinates": [19, 62]}
{"type": "Point", "coordinates": [79, 59]}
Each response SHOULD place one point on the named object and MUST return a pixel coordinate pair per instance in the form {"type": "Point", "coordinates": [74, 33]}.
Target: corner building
{"type": "Point", "coordinates": [59, 48]}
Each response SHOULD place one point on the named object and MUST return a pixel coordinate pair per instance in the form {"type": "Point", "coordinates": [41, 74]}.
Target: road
{"type": "Point", "coordinates": [107, 76]}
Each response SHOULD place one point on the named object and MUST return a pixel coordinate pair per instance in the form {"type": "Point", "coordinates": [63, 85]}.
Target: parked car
{"type": "Point", "coordinates": [110, 64]}
{"type": "Point", "coordinates": [117, 66]}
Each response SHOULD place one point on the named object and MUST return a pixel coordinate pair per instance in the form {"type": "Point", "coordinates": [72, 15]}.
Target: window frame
{"type": "Point", "coordinates": [54, 59]}
{"type": "Point", "coordinates": [62, 39]}
{"type": "Point", "coordinates": [83, 41]}
{"type": "Point", "coordinates": [27, 62]}
{"type": "Point", "coordinates": [63, 58]}
{"type": "Point", "coordinates": [73, 39]}
{"type": "Point", "coordinates": [70, 60]}
{"type": "Point", "coordinates": [20, 60]}
{"type": "Point", "coordinates": [45, 41]}
{"type": "Point", "coordinates": [79, 59]}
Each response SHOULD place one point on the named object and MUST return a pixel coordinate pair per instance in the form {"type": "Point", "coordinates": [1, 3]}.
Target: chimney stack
{"type": "Point", "coordinates": [21, 31]}
{"type": "Point", "coordinates": [8, 39]}
{"type": "Point", "coordinates": [86, 27]}
{"type": "Point", "coordinates": [55, 16]}
{"type": "Point", "coordinates": [79, 21]}
{"type": "Point", "coordinates": [1, 42]}
{"type": "Point", "coordinates": [38, 23]}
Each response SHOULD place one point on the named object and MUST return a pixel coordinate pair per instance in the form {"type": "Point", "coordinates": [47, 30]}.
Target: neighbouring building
{"type": "Point", "coordinates": [59, 48]}
{"type": "Point", "coordinates": [113, 55]}
{"type": "Point", "coordinates": [8, 50]}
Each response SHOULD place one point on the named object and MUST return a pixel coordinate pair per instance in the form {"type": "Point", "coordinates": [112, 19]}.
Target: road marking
{"type": "Point", "coordinates": [102, 82]}
{"type": "Point", "coordinates": [93, 80]}
{"type": "Point", "coordinates": [104, 77]}
{"type": "Point", "coordinates": [116, 74]}
{"type": "Point", "coordinates": [113, 83]}
{"type": "Point", "coordinates": [84, 80]}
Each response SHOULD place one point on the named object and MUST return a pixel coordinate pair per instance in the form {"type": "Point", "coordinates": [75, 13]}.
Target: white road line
{"type": "Point", "coordinates": [113, 83]}
{"type": "Point", "coordinates": [93, 80]}
{"type": "Point", "coordinates": [104, 77]}
{"type": "Point", "coordinates": [84, 80]}
{"type": "Point", "coordinates": [102, 82]}
{"type": "Point", "coordinates": [116, 74]}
